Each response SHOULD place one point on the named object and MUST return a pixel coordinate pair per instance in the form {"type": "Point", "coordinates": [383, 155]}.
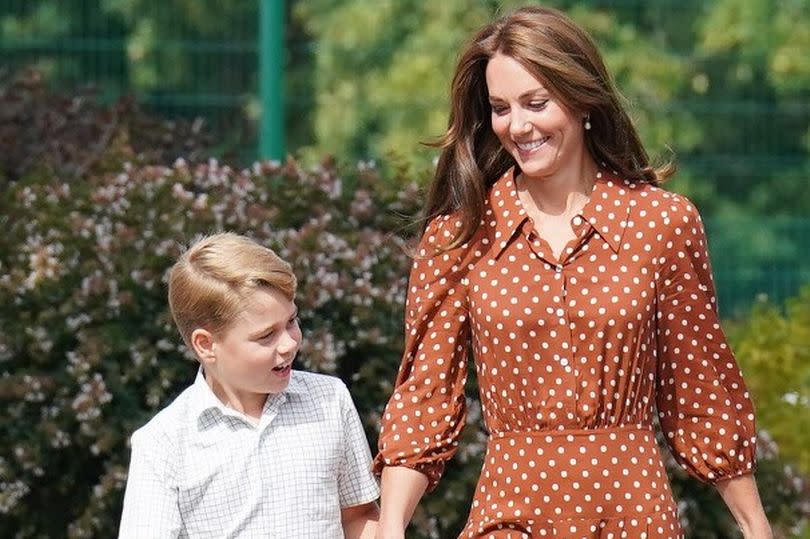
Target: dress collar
{"type": "Point", "coordinates": [607, 210]}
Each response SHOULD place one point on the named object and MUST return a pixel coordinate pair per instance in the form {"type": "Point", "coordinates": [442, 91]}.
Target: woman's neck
{"type": "Point", "coordinates": [564, 192]}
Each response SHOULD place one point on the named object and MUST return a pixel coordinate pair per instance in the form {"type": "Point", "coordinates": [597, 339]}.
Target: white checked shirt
{"type": "Point", "coordinates": [202, 470]}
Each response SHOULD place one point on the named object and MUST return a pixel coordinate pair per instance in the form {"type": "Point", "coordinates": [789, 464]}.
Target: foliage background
{"type": "Point", "coordinates": [95, 202]}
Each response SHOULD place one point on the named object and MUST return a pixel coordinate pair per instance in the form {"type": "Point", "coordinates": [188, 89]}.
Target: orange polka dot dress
{"type": "Point", "coordinates": [574, 358]}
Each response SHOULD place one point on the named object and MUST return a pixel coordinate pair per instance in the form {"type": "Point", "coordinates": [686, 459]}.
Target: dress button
{"type": "Point", "coordinates": [564, 362]}
{"type": "Point", "coordinates": [559, 268]}
{"type": "Point", "coordinates": [577, 220]}
{"type": "Point", "coordinates": [560, 312]}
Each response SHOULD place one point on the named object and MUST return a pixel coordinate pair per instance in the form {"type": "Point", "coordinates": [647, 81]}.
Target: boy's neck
{"type": "Point", "coordinates": [249, 404]}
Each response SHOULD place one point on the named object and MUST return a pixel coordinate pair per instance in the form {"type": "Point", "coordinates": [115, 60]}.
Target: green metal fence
{"type": "Point", "coordinates": [186, 58]}
{"type": "Point", "coordinates": [180, 62]}
{"type": "Point", "coordinates": [756, 258]}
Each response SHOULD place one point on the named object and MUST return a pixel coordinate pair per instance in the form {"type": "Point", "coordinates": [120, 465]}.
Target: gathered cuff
{"type": "Point", "coordinates": [712, 473]}
{"type": "Point", "coordinates": [734, 474]}
{"type": "Point", "coordinates": [430, 468]}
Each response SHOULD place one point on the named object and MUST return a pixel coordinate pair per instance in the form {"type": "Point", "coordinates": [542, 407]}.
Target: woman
{"type": "Point", "coordinates": [586, 293]}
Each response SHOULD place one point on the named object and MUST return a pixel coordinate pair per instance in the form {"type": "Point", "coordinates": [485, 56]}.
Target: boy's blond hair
{"type": "Point", "coordinates": [210, 281]}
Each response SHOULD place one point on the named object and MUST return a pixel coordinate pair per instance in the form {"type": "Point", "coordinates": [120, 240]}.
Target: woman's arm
{"type": "Point", "coordinates": [402, 488]}
{"type": "Point", "coordinates": [360, 521]}
{"type": "Point", "coordinates": [742, 498]}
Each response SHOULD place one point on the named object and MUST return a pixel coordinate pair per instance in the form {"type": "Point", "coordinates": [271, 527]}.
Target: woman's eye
{"type": "Point", "coordinates": [500, 111]}
{"type": "Point", "coordinates": [538, 105]}
{"type": "Point", "coordinates": [293, 321]}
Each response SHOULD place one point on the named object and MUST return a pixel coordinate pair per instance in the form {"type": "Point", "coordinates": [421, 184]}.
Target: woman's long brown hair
{"type": "Point", "coordinates": [564, 57]}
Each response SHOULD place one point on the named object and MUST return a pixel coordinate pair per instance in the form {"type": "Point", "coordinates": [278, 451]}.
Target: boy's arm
{"type": "Point", "coordinates": [150, 502]}
{"type": "Point", "coordinates": [357, 486]}
{"type": "Point", "coordinates": [360, 521]}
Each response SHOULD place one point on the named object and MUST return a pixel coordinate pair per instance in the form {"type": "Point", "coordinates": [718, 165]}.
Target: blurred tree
{"type": "Point", "coordinates": [751, 76]}
{"type": "Point", "coordinates": [406, 52]}
{"type": "Point", "coordinates": [383, 71]}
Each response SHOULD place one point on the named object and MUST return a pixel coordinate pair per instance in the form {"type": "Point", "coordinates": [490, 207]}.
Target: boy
{"type": "Point", "coordinates": [252, 448]}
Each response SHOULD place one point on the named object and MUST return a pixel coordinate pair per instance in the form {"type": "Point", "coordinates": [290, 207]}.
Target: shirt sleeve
{"type": "Point", "coordinates": [424, 417]}
{"type": "Point", "coordinates": [356, 484]}
{"type": "Point", "coordinates": [150, 501]}
{"type": "Point", "coordinates": [705, 412]}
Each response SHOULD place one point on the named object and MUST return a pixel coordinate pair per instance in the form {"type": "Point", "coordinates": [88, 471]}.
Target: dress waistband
{"type": "Point", "coordinates": [553, 434]}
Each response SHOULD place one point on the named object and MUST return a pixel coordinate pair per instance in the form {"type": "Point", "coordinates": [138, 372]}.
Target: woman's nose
{"type": "Point", "coordinates": [518, 125]}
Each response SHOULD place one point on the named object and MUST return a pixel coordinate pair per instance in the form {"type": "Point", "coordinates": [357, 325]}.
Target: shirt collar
{"type": "Point", "coordinates": [606, 211]}
{"type": "Point", "coordinates": [204, 399]}
{"type": "Point", "coordinates": [505, 214]}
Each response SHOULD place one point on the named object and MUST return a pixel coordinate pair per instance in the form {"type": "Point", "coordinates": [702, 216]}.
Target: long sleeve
{"type": "Point", "coordinates": [423, 420]}
{"type": "Point", "coordinates": [703, 405]}
{"type": "Point", "coordinates": [150, 502]}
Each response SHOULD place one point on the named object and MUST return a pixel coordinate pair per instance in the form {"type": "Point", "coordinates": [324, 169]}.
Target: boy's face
{"type": "Point", "coordinates": [255, 354]}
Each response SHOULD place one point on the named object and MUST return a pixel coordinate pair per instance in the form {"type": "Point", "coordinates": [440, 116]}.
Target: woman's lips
{"type": "Point", "coordinates": [528, 147]}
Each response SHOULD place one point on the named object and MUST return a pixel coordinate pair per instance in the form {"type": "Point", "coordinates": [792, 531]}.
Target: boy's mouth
{"type": "Point", "coordinates": [282, 371]}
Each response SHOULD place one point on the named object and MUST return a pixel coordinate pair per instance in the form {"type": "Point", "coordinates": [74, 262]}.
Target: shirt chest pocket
{"type": "Point", "coordinates": [308, 461]}
{"type": "Point", "coordinates": [219, 475]}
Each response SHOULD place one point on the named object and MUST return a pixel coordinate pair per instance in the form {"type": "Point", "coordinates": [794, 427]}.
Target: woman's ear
{"type": "Point", "coordinates": [202, 341]}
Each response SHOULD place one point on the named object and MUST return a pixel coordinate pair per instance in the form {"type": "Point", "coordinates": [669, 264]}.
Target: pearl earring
{"type": "Point", "coordinates": [588, 122]}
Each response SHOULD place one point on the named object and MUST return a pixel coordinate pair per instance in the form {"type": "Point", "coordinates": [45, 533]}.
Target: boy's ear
{"type": "Point", "coordinates": [202, 341]}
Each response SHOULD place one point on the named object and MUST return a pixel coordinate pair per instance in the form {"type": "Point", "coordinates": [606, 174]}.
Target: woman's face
{"type": "Point", "coordinates": [541, 134]}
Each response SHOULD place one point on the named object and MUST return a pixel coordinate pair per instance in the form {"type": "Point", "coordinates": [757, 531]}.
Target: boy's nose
{"type": "Point", "coordinates": [289, 341]}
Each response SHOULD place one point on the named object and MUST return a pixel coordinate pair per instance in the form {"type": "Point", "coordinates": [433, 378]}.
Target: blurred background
{"type": "Point", "coordinates": [128, 126]}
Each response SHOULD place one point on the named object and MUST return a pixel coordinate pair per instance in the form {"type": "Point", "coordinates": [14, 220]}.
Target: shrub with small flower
{"type": "Point", "coordinates": [87, 346]}
{"type": "Point", "coordinates": [88, 352]}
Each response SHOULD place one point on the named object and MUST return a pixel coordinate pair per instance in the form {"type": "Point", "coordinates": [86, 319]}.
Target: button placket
{"type": "Point", "coordinates": [568, 346]}
{"type": "Point", "coordinates": [566, 360]}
